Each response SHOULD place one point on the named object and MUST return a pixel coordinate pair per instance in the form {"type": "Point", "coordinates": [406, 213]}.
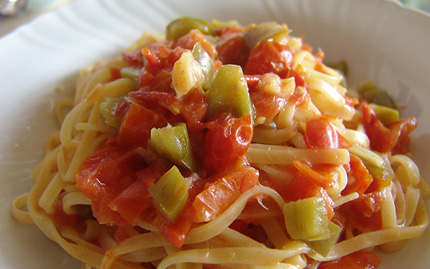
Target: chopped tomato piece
{"type": "Point", "coordinates": [404, 128]}
{"type": "Point", "coordinates": [136, 125]}
{"type": "Point", "coordinates": [299, 78]}
{"type": "Point", "coordinates": [321, 134]}
{"type": "Point", "coordinates": [176, 232]}
{"type": "Point", "coordinates": [378, 184]}
{"type": "Point", "coordinates": [356, 260]}
{"type": "Point", "coordinates": [192, 107]}
{"type": "Point", "coordinates": [160, 102]}
{"type": "Point", "coordinates": [94, 174]}
{"type": "Point", "coordinates": [364, 213]}
{"type": "Point", "coordinates": [150, 174]}
{"type": "Point", "coordinates": [223, 192]}
{"type": "Point", "coordinates": [269, 57]}
{"type": "Point", "coordinates": [159, 61]}
{"type": "Point", "coordinates": [132, 202]}
{"type": "Point", "coordinates": [227, 142]}
{"type": "Point", "coordinates": [393, 138]}
{"type": "Point", "coordinates": [359, 177]}
{"type": "Point", "coordinates": [233, 51]}
{"type": "Point", "coordinates": [103, 175]}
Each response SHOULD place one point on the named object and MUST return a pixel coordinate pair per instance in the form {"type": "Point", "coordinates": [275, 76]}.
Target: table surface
{"type": "Point", "coordinates": [33, 9]}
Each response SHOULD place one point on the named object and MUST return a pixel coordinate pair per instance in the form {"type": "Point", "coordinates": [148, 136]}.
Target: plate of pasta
{"type": "Point", "coordinates": [167, 134]}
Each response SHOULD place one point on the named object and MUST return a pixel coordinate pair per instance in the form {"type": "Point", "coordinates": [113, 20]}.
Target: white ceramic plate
{"type": "Point", "coordinates": [379, 39]}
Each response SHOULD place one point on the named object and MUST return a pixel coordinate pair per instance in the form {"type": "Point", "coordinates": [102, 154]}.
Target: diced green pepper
{"type": "Point", "coordinates": [130, 72]}
{"type": "Point", "coordinates": [208, 67]}
{"type": "Point", "coordinates": [323, 246]}
{"type": "Point", "coordinates": [386, 114]}
{"type": "Point", "coordinates": [173, 143]}
{"type": "Point", "coordinates": [216, 24]}
{"type": "Point", "coordinates": [108, 111]}
{"type": "Point", "coordinates": [229, 92]}
{"type": "Point", "coordinates": [306, 219]}
{"type": "Point", "coordinates": [170, 193]}
{"type": "Point", "coordinates": [257, 33]}
{"type": "Point", "coordinates": [184, 25]}
{"type": "Point", "coordinates": [373, 94]}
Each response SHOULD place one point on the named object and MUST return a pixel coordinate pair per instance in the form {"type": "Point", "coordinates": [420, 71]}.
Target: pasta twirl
{"type": "Point", "coordinates": [222, 144]}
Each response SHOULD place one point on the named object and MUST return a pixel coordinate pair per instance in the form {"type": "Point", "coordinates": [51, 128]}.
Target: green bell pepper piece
{"type": "Point", "coordinates": [323, 246]}
{"type": "Point", "coordinates": [375, 95]}
{"type": "Point", "coordinates": [108, 111]}
{"type": "Point", "coordinates": [184, 25]}
{"type": "Point", "coordinates": [257, 33]}
{"type": "Point", "coordinates": [173, 143]}
{"type": "Point", "coordinates": [229, 92]}
{"type": "Point", "coordinates": [386, 114]}
{"type": "Point", "coordinates": [170, 193]}
{"type": "Point", "coordinates": [306, 219]}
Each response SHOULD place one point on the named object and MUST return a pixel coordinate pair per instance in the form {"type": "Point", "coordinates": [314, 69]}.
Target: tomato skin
{"type": "Point", "coordinates": [269, 57]}
{"type": "Point", "coordinates": [356, 260]}
{"type": "Point", "coordinates": [227, 142]}
{"type": "Point", "coordinates": [393, 138]}
{"type": "Point", "coordinates": [320, 134]}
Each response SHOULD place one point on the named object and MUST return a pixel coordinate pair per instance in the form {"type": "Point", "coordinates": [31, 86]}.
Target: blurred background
{"type": "Point", "coordinates": [14, 13]}
{"type": "Point", "coordinates": [418, 4]}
